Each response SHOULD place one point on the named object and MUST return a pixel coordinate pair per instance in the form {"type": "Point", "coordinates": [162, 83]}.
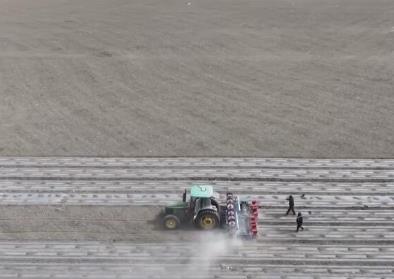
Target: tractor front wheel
{"type": "Point", "coordinates": [171, 222]}
{"type": "Point", "coordinates": [207, 220]}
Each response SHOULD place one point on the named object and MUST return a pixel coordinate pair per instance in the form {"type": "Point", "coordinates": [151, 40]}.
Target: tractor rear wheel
{"type": "Point", "coordinates": [207, 219]}
{"type": "Point", "coordinates": [171, 222]}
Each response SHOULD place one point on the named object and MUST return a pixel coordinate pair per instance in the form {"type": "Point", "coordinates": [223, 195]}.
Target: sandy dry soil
{"type": "Point", "coordinates": [101, 223]}
{"type": "Point", "coordinates": [78, 218]}
{"type": "Point", "coordinates": [307, 78]}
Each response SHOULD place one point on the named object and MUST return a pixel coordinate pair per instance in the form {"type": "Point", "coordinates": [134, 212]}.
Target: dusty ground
{"type": "Point", "coordinates": [95, 218]}
{"type": "Point", "coordinates": [306, 78]}
{"type": "Point", "coordinates": [101, 223]}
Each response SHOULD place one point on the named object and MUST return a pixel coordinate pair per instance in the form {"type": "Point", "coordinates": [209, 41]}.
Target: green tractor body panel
{"type": "Point", "coordinates": [180, 210]}
{"type": "Point", "coordinates": [179, 205]}
{"type": "Point", "coordinates": [201, 191]}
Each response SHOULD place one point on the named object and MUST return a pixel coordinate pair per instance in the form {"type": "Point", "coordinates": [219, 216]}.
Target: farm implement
{"type": "Point", "coordinates": [204, 211]}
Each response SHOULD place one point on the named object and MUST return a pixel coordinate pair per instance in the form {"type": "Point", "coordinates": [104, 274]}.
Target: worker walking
{"type": "Point", "coordinates": [291, 205]}
{"type": "Point", "coordinates": [300, 221]}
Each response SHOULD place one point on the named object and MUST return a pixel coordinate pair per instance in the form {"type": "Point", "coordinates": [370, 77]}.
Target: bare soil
{"type": "Point", "coordinates": [96, 223]}
{"type": "Point", "coordinates": [305, 78]}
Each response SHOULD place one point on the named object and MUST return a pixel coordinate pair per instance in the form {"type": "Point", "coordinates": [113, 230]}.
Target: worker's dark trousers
{"type": "Point", "coordinates": [299, 226]}
{"type": "Point", "coordinates": [291, 208]}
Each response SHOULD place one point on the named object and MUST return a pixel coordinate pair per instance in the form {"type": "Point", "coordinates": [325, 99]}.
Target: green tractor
{"type": "Point", "coordinates": [239, 217]}
{"type": "Point", "coordinates": [202, 210]}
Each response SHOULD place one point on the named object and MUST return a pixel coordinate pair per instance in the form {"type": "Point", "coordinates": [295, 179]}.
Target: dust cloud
{"type": "Point", "coordinates": [196, 258]}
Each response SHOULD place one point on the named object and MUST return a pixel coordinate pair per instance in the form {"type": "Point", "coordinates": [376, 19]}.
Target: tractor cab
{"type": "Point", "coordinates": [202, 198]}
{"type": "Point", "coordinates": [202, 195]}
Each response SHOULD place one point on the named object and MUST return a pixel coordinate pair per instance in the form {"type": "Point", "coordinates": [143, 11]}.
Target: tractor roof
{"type": "Point", "coordinates": [201, 191]}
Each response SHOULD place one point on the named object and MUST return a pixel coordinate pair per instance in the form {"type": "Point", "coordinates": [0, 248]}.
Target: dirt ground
{"type": "Point", "coordinates": [287, 78]}
{"type": "Point", "coordinates": [99, 223]}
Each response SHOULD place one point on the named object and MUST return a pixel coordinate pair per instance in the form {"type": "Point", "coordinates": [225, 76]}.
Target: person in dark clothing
{"type": "Point", "coordinates": [300, 221]}
{"type": "Point", "coordinates": [184, 196]}
{"type": "Point", "coordinates": [291, 205]}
